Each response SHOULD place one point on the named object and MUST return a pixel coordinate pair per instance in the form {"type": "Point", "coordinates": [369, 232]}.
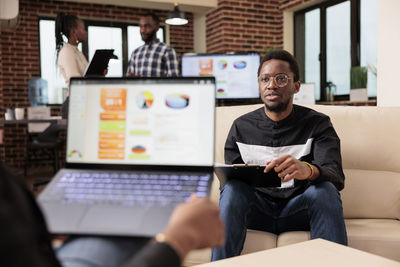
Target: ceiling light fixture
{"type": "Point", "coordinates": [176, 17]}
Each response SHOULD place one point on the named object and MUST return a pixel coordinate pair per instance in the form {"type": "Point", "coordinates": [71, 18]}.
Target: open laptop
{"type": "Point", "coordinates": [136, 148]}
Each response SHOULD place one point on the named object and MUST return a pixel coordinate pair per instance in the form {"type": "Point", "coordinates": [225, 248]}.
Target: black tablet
{"type": "Point", "coordinates": [99, 62]}
{"type": "Point", "coordinates": [251, 174]}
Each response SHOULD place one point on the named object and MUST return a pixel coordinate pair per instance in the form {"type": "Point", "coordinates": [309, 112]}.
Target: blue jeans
{"type": "Point", "coordinates": [91, 251]}
{"type": "Point", "coordinates": [318, 210]}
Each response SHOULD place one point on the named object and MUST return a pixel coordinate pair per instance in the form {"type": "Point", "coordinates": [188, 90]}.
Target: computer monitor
{"type": "Point", "coordinates": [235, 74]}
{"type": "Point", "coordinates": [306, 94]}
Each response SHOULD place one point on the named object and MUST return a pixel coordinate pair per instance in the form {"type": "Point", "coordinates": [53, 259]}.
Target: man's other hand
{"type": "Point", "coordinates": [193, 225]}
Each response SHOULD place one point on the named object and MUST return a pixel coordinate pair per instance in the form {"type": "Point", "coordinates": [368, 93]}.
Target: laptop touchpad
{"type": "Point", "coordinates": [111, 217]}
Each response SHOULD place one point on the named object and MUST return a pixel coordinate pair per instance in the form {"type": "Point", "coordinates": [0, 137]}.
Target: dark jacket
{"type": "Point", "coordinates": [305, 134]}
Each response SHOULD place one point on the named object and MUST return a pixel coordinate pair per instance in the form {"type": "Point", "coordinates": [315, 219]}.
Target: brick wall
{"type": "Point", "coordinates": [19, 55]}
{"type": "Point", "coordinates": [234, 26]}
{"type": "Point", "coordinates": [244, 26]}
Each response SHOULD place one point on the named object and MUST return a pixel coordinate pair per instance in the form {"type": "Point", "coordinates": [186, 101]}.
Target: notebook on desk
{"type": "Point", "coordinates": [136, 148]}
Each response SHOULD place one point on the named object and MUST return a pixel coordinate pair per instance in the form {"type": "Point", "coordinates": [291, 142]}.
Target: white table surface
{"type": "Point", "coordinates": [317, 252]}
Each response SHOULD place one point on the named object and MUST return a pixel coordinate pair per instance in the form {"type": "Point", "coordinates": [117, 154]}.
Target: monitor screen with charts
{"type": "Point", "coordinates": [306, 94]}
{"type": "Point", "coordinates": [155, 121]}
{"type": "Point", "coordinates": [235, 74]}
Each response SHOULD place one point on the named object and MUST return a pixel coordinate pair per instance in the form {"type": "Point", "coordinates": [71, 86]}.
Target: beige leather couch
{"type": "Point", "coordinates": [370, 143]}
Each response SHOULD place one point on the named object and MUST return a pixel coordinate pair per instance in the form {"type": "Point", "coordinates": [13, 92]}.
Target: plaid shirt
{"type": "Point", "coordinates": [154, 60]}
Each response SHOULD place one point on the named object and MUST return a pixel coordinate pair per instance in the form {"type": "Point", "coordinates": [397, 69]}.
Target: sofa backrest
{"type": "Point", "coordinates": [370, 146]}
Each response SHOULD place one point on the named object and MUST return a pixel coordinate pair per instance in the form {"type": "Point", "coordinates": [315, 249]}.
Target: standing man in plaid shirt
{"type": "Point", "coordinates": [154, 58]}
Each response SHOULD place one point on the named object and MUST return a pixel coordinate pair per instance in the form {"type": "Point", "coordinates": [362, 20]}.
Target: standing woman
{"type": "Point", "coordinates": [70, 60]}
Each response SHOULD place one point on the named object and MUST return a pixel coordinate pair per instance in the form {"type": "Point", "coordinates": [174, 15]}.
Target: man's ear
{"type": "Point", "coordinates": [296, 87]}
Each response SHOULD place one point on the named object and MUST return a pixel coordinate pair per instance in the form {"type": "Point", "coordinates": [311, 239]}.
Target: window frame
{"type": "Point", "coordinates": [355, 41]}
{"type": "Point", "coordinates": [101, 23]}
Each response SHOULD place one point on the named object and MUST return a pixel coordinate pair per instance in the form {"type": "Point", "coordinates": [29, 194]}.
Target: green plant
{"type": "Point", "coordinates": [358, 77]}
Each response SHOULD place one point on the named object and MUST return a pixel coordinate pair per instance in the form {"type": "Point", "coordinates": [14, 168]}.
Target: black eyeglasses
{"type": "Point", "coordinates": [280, 80]}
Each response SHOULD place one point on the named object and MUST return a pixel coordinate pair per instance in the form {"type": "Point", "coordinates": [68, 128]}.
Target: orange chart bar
{"type": "Point", "coordinates": [119, 136]}
{"type": "Point", "coordinates": [111, 116]}
{"type": "Point", "coordinates": [112, 145]}
{"type": "Point", "coordinates": [104, 154]}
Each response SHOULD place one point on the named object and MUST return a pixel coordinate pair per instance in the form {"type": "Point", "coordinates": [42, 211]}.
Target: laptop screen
{"type": "Point", "coordinates": [143, 121]}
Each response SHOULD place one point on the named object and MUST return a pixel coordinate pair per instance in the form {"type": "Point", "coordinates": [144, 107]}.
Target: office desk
{"type": "Point", "coordinates": [58, 120]}
{"type": "Point", "coordinates": [12, 151]}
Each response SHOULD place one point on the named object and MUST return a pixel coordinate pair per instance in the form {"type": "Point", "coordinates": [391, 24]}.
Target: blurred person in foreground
{"type": "Point", "coordinates": [25, 240]}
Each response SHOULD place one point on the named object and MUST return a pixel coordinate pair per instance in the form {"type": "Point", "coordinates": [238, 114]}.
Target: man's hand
{"type": "Point", "coordinates": [130, 74]}
{"type": "Point", "coordinates": [289, 168]}
{"type": "Point", "coordinates": [193, 225]}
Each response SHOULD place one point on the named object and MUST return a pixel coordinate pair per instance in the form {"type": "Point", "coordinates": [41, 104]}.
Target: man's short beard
{"type": "Point", "coordinates": [278, 108]}
{"type": "Point", "coordinates": [151, 36]}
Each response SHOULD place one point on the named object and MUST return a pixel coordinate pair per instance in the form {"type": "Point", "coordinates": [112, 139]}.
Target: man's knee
{"type": "Point", "coordinates": [235, 187]}
{"type": "Point", "coordinates": [235, 194]}
{"type": "Point", "coordinates": [324, 193]}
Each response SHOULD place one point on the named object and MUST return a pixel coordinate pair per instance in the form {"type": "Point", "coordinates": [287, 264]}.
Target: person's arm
{"type": "Point", "coordinates": [171, 62]}
{"type": "Point", "coordinates": [326, 154]}
{"type": "Point", "coordinates": [288, 168]}
{"type": "Point", "coordinates": [193, 225]}
{"type": "Point", "coordinates": [131, 66]}
{"type": "Point", "coordinates": [68, 65]}
{"type": "Point", "coordinates": [326, 164]}
{"type": "Point", "coordinates": [232, 153]}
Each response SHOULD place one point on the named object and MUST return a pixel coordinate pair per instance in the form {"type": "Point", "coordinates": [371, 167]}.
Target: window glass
{"type": "Point", "coordinates": [97, 40]}
{"type": "Point", "coordinates": [135, 40]}
{"type": "Point", "coordinates": [338, 53]}
{"type": "Point", "coordinates": [368, 44]}
{"type": "Point", "coordinates": [57, 89]}
{"type": "Point", "coordinates": [312, 50]}
{"type": "Point", "coordinates": [48, 65]}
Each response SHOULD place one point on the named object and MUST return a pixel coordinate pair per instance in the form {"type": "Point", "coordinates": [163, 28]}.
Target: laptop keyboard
{"type": "Point", "coordinates": [128, 189]}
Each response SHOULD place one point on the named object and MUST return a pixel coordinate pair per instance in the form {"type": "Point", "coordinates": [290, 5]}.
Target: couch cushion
{"type": "Point", "coordinates": [377, 236]}
{"type": "Point", "coordinates": [258, 240]}
{"type": "Point", "coordinates": [371, 194]}
{"type": "Point", "coordinates": [255, 241]}
{"type": "Point", "coordinates": [292, 237]}
{"type": "Point", "coordinates": [369, 136]}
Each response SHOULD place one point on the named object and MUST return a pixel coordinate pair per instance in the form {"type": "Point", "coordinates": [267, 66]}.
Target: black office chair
{"type": "Point", "coordinates": [44, 147]}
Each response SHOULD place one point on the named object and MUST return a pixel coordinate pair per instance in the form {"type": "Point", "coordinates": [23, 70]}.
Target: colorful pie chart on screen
{"type": "Point", "coordinates": [144, 100]}
{"type": "Point", "coordinates": [138, 149]}
{"type": "Point", "coordinates": [177, 101]}
{"type": "Point", "coordinates": [222, 64]}
{"type": "Point", "coordinates": [75, 152]}
{"type": "Point", "coordinates": [240, 65]}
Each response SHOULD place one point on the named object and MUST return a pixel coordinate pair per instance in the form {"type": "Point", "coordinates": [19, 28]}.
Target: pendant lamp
{"type": "Point", "coordinates": [176, 17]}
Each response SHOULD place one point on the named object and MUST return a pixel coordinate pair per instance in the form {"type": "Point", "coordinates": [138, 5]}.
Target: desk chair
{"type": "Point", "coordinates": [45, 146]}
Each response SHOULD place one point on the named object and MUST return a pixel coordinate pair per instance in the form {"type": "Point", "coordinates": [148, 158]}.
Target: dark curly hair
{"type": "Point", "coordinates": [285, 56]}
